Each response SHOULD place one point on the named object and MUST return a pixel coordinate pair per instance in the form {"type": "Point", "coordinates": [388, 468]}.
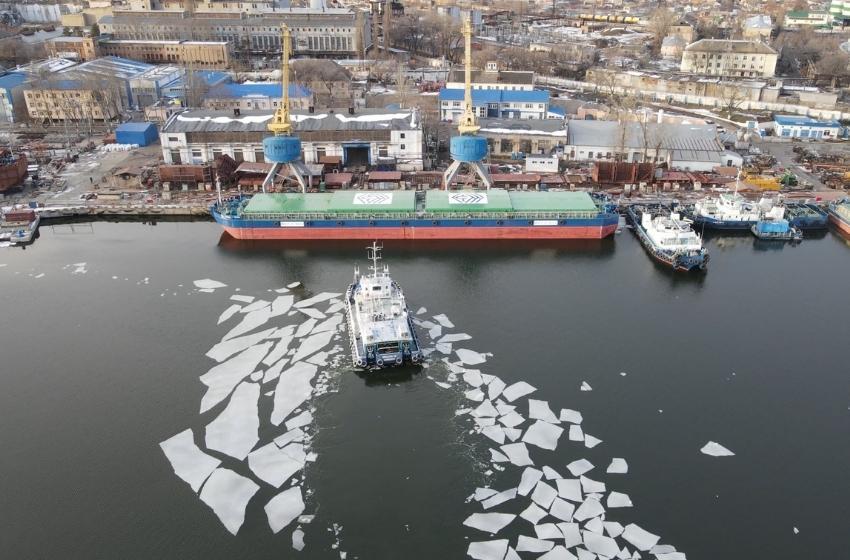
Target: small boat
{"type": "Point", "coordinates": [839, 214]}
{"type": "Point", "coordinates": [380, 326]}
{"type": "Point", "coordinates": [18, 226]}
{"type": "Point", "coordinates": [806, 216]}
{"type": "Point", "coordinates": [774, 226]}
{"type": "Point", "coordinates": [729, 211]}
{"type": "Point", "coordinates": [668, 238]}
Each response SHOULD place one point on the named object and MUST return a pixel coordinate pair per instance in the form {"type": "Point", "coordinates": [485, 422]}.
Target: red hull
{"type": "Point", "coordinates": [840, 224]}
{"type": "Point", "coordinates": [595, 232]}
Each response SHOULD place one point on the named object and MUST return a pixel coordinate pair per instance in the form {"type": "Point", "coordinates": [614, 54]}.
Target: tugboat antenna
{"type": "Point", "coordinates": [374, 256]}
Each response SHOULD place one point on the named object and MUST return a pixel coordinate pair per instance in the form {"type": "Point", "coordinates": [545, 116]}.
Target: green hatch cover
{"type": "Point", "coordinates": [552, 202]}
{"type": "Point", "coordinates": [494, 200]}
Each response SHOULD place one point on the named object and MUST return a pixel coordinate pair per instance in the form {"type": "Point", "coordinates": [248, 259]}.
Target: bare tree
{"type": "Point", "coordinates": [660, 22]}
{"type": "Point", "coordinates": [731, 100]}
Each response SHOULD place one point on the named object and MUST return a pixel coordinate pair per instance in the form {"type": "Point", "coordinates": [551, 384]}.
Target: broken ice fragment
{"type": "Point", "coordinates": [443, 320]}
{"type": "Point", "coordinates": [530, 544]}
{"type": "Point", "coordinates": [446, 386]}
{"type": "Point", "coordinates": [548, 531]}
{"type": "Point", "coordinates": [551, 474]}
{"type": "Point", "coordinates": [618, 500]}
{"type": "Point", "coordinates": [517, 390]}
{"type": "Point", "coordinates": [533, 514]}
{"type": "Point", "coordinates": [228, 494]}
{"type": "Point", "coordinates": [235, 431]}
{"type": "Point", "coordinates": [484, 493]}
{"type": "Point", "coordinates": [284, 508]}
{"type": "Point", "coordinates": [600, 544]}
{"type": "Point", "coordinates": [311, 345]}
{"type": "Point", "coordinates": [589, 486]}
{"type": "Point", "coordinates": [495, 388]}
{"type": "Point", "coordinates": [511, 420]}
{"type": "Point", "coordinates": [517, 454]}
{"type": "Point", "coordinates": [495, 433]}
{"type": "Point", "coordinates": [489, 522]}
{"type": "Point", "coordinates": [716, 450]}
{"type": "Point", "coordinates": [585, 386]}
{"type": "Point", "coordinates": [562, 509]}
{"type": "Point", "coordinates": [301, 420]}
{"type": "Point", "coordinates": [590, 442]}
{"type": "Point", "coordinates": [617, 466]}
{"type": "Point", "coordinates": [557, 553]}
{"type": "Point", "coordinates": [273, 465]}
{"type": "Point", "coordinates": [543, 495]}
{"type": "Point", "coordinates": [796, 531]}
{"type": "Point", "coordinates": [475, 395]}
{"type": "Point", "coordinates": [571, 533]}
{"type": "Point", "coordinates": [579, 467]}
{"type": "Point", "coordinates": [250, 322]}
{"type": "Point", "coordinates": [228, 313]}
{"type": "Point", "coordinates": [539, 410]}
{"type": "Point", "coordinates": [613, 529]}
{"type": "Point", "coordinates": [589, 508]}
{"type": "Point", "coordinates": [293, 388]}
{"type": "Point", "coordinates": [298, 539]}
{"type": "Point", "coordinates": [639, 538]}
{"type": "Point", "coordinates": [575, 433]}
{"type": "Point", "coordinates": [470, 357]}
{"type": "Point", "coordinates": [473, 377]}
{"type": "Point", "coordinates": [329, 324]}
{"type": "Point", "coordinates": [293, 285]}
{"type": "Point", "coordinates": [571, 416]}
{"type": "Point", "coordinates": [293, 435]}
{"type": "Point", "coordinates": [488, 550]}
{"type": "Point", "coordinates": [543, 435]}
{"type": "Point", "coordinates": [499, 498]}
{"type": "Point", "coordinates": [189, 463]}
{"type": "Point", "coordinates": [570, 489]}
{"type": "Point", "coordinates": [227, 348]}
{"type": "Point", "coordinates": [530, 478]}
{"type": "Point", "coordinates": [324, 296]}
{"type": "Point", "coordinates": [459, 337]}
{"type": "Point", "coordinates": [209, 284]}
{"type": "Point", "coordinates": [512, 434]}
{"type": "Point", "coordinates": [435, 332]}
{"type": "Point", "coordinates": [486, 408]}
{"type": "Point", "coordinates": [444, 348]}
{"type": "Point", "coordinates": [421, 310]}
{"type": "Point", "coordinates": [224, 377]}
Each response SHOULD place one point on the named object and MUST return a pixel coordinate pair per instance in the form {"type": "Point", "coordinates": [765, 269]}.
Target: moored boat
{"type": "Point", "coordinates": [806, 216]}
{"type": "Point", "coordinates": [839, 215]}
{"type": "Point", "coordinates": [668, 238]}
{"type": "Point", "coordinates": [774, 226]}
{"type": "Point", "coordinates": [380, 326]}
{"type": "Point", "coordinates": [18, 226]}
{"type": "Point", "coordinates": [355, 214]}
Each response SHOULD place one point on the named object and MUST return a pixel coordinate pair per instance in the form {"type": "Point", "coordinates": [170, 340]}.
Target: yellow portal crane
{"type": "Point", "coordinates": [281, 125]}
{"type": "Point", "coordinates": [468, 123]}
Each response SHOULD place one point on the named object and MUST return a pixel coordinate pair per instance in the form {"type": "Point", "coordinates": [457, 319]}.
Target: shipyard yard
{"type": "Point", "coordinates": [672, 362]}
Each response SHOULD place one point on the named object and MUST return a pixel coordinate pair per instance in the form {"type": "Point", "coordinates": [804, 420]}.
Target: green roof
{"type": "Point", "coordinates": [523, 201]}
{"type": "Point", "coordinates": [339, 201]}
{"type": "Point", "coordinates": [494, 200]}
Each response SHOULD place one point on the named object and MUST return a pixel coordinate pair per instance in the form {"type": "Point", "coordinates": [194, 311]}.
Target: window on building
{"type": "Point", "coordinates": [175, 157]}
{"type": "Point", "coordinates": [382, 151]}
{"type": "Point", "coordinates": [172, 139]}
{"type": "Point", "coordinates": [238, 155]}
{"type": "Point", "coordinates": [401, 135]}
{"type": "Point", "coordinates": [402, 147]}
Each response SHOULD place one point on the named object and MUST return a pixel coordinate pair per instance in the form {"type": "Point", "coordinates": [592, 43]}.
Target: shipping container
{"type": "Point", "coordinates": [141, 133]}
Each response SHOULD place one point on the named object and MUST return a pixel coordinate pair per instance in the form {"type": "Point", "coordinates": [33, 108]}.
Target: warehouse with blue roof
{"type": "Point", "coordinates": [794, 126]}
{"type": "Point", "coordinates": [496, 103]}
{"type": "Point", "coordinates": [256, 96]}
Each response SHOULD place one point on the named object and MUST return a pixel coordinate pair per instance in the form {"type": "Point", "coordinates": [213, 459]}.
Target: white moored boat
{"type": "Point", "coordinates": [379, 324]}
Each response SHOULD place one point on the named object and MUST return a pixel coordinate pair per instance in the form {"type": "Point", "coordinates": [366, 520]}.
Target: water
{"type": "Point", "coordinates": [97, 370]}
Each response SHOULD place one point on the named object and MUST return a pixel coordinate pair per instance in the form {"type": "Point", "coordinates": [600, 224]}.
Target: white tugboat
{"type": "Point", "coordinates": [729, 211]}
{"type": "Point", "coordinates": [668, 238]}
{"type": "Point", "coordinates": [774, 226]}
{"type": "Point", "coordinates": [380, 327]}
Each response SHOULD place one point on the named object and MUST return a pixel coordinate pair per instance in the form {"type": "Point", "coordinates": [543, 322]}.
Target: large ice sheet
{"type": "Point", "coordinates": [716, 450]}
{"type": "Point", "coordinates": [530, 478]}
{"type": "Point", "coordinates": [618, 500]}
{"type": "Point", "coordinates": [227, 348]}
{"type": "Point", "coordinates": [618, 466]}
{"type": "Point", "coordinates": [272, 465]}
{"type": "Point", "coordinates": [600, 544]}
{"type": "Point", "coordinates": [488, 550]}
{"type": "Point", "coordinates": [543, 495]}
{"type": "Point", "coordinates": [223, 378]}
{"type": "Point", "coordinates": [639, 538]}
{"type": "Point", "coordinates": [293, 388]}
{"type": "Point", "coordinates": [571, 416]}
{"type": "Point", "coordinates": [517, 453]}
{"type": "Point", "coordinates": [228, 313]}
{"type": "Point", "coordinates": [188, 461]}
{"type": "Point", "coordinates": [284, 508]}
{"type": "Point", "coordinates": [489, 522]}
{"type": "Point", "coordinates": [250, 322]}
{"type": "Point", "coordinates": [570, 489]}
{"type": "Point", "coordinates": [517, 390]}
{"type": "Point", "coordinates": [588, 508]}
{"type": "Point", "coordinates": [292, 435]}
{"type": "Point", "coordinates": [579, 467]}
{"type": "Point", "coordinates": [284, 340]}
{"type": "Point", "coordinates": [228, 494]}
{"type": "Point", "coordinates": [499, 498]}
{"type": "Point", "coordinates": [444, 321]}
{"type": "Point", "coordinates": [539, 410]}
{"type": "Point", "coordinates": [531, 544]}
{"type": "Point", "coordinates": [543, 435]}
{"type": "Point", "coordinates": [281, 305]}
{"type": "Point", "coordinates": [312, 344]}
{"type": "Point", "coordinates": [309, 302]}
{"type": "Point", "coordinates": [470, 357]}
{"type": "Point", "coordinates": [329, 324]}
{"type": "Point", "coordinates": [234, 432]}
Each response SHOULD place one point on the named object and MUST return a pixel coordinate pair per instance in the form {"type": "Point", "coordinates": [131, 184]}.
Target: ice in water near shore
{"type": "Point", "coordinates": [567, 513]}
{"type": "Point", "coordinates": [716, 450]}
{"type": "Point", "coordinates": [262, 376]}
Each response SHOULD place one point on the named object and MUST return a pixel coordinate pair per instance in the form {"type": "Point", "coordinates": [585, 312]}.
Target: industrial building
{"type": "Point", "coordinates": [11, 96]}
{"type": "Point", "coordinates": [147, 88]}
{"type": "Point", "coordinates": [496, 103]}
{"type": "Point", "coordinates": [369, 137]}
{"type": "Point", "coordinates": [493, 78]}
{"type": "Point", "coordinates": [729, 58]}
{"type": "Point", "coordinates": [264, 97]}
{"type": "Point", "coordinates": [200, 54]}
{"type": "Point", "coordinates": [794, 126]}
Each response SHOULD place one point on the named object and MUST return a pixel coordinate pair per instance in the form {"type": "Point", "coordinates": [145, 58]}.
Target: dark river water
{"type": "Point", "coordinates": [97, 368]}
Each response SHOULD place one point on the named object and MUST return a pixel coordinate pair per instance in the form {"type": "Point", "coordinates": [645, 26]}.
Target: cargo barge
{"type": "Point", "coordinates": [353, 214]}
{"type": "Point", "coordinates": [839, 215]}
{"type": "Point", "coordinates": [806, 216]}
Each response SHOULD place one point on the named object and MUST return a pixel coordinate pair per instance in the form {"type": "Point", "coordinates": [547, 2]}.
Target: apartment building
{"type": "Point", "coordinates": [729, 58]}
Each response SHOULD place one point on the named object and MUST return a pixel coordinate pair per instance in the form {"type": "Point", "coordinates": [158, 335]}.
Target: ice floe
{"type": "Point", "coordinates": [590, 442]}
{"type": "Point", "coordinates": [250, 322]}
{"type": "Point", "coordinates": [444, 321]}
{"type": "Point", "coordinates": [517, 390]}
{"type": "Point", "coordinates": [312, 344]}
{"type": "Point", "coordinates": [309, 302]}
{"type": "Point", "coordinates": [576, 433]}
{"type": "Point", "coordinates": [585, 386]}
{"type": "Point", "coordinates": [548, 531]}
{"type": "Point", "coordinates": [302, 419]}
{"type": "Point", "coordinates": [579, 467]}
{"type": "Point", "coordinates": [570, 489]}
{"type": "Point", "coordinates": [716, 450]}
{"type": "Point", "coordinates": [600, 544]}
{"type": "Point", "coordinates": [562, 509]}
{"type": "Point", "coordinates": [531, 544]}
{"type": "Point", "coordinates": [208, 284]}
{"type": "Point", "coordinates": [470, 357]}
{"type": "Point", "coordinates": [543, 435]}
{"type": "Point", "coordinates": [488, 550]}
{"type": "Point", "coordinates": [228, 313]}
{"type": "Point", "coordinates": [188, 461]}
{"type": "Point", "coordinates": [618, 500]}
{"type": "Point", "coordinates": [543, 495]}
{"type": "Point", "coordinates": [618, 466]}
{"type": "Point", "coordinates": [228, 494]}
{"type": "Point", "coordinates": [571, 416]}
{"type": "Point", "coordinates": [639, 538]}
{"type": "Point", "coordinates": [499, 498]}
{"type": "Point", "coordinates": [293, 388]}
{"type": "Point", "coordinates": [227, 348]}
{"type": "Point", "coordinates": [298, 539]}
{"type": "Point", "coordinates": [589, 486]}
{"type": "Point", "coordinates": [533, 514]}
{"type": "Point", "coordinates": [489, 522]}
{"type": "Point", "coordinates": [530, 478]}
{"type": "Point", "coordinates": [590, 507]}
{"type": "Point", "coordinates": [273, 465]}
{"type": "Point", "coordinates": [517, 453]}
{"type": "Point", "coordinates": [455, 337]}
{"type": "Point", "coordinates": [223, 378]}
{"type": "Point", "coordinates": [234, 432]}
{"type": "Point", "coordinates": [284, 508]}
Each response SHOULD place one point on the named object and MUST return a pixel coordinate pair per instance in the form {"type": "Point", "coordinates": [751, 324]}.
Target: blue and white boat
{"type": "Point", "coordinates": [380, 326]}
{"type": "Point", "coordinates": [774, 226]}
{"type": "Point", "coordinates": [729, 211]}
{"type": "Point", "coordinates": [668, 238]}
